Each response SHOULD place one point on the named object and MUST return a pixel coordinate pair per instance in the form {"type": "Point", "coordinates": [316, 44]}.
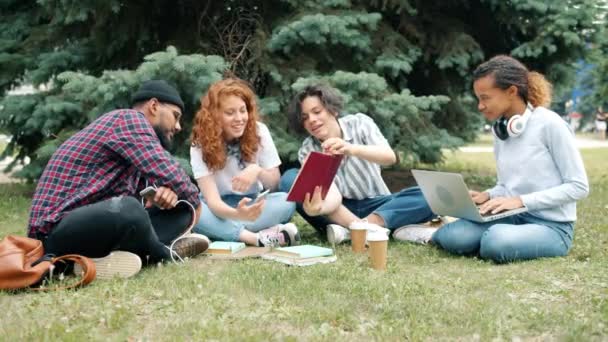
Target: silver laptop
{"type": "Point", "coordinates": [447, 195]}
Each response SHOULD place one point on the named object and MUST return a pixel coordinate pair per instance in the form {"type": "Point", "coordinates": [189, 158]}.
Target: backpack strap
{"type": "Point", "coordinates": [87, 276]}
{"type": "Point", "coordinates": [88, 268]}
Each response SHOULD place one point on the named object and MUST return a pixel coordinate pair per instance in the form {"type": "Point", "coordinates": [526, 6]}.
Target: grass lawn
{"type": "Point", "coordinates": [425, 294]}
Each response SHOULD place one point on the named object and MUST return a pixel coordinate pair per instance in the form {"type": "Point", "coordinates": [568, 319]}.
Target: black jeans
{"type": "Point", "coordinates": [120, 223]}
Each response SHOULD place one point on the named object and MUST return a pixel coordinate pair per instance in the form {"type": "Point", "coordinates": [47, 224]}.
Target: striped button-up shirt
{"type": "Point", "coordinates": [357, 178]}
{"type": "Point", "coordinates": [115, 155]}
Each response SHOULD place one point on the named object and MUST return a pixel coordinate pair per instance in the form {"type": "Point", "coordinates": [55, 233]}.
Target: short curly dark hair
{"type": "Point", "coordinates": [329, 97]}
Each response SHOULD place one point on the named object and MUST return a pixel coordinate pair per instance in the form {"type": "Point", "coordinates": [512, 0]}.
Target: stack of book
{"type": "Point", "coordinates": [304, 255]}
{"type": "Point", "coordinates": [234, 250]}
{"type": "Point", "coordinates": [225, 247]}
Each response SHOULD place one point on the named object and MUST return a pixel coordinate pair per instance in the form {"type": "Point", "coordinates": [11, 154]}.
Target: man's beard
{"type": "Point", "coordinates": [163, 137]}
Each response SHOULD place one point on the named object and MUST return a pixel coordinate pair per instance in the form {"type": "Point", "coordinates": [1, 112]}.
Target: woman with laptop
{"type": "Point", "coordinates": [538, 167]}
{"type": "Point", "coordinates": [233, 159]}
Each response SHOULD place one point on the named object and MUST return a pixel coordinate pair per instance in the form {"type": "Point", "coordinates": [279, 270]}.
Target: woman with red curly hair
{"type": "Point", "coordinates": [233, 159]}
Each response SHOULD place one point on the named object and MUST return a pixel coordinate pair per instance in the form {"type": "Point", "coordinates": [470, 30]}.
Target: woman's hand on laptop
{"type": "Point", "coordinates": [479, 197]}
{"type": "Point", "coordinates": [499, 204]}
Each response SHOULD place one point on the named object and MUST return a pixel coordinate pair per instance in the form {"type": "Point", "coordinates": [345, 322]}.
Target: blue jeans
{"type": "Point", "coordinates": [276, 210]}
{"type": "Point", "coordinates": [518, 237]}
{"type": "Point", "coordinates": [404, 207]}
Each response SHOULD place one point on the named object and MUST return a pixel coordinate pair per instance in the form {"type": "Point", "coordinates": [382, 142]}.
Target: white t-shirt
{"type": "Point", "coordinates": [267, 157]}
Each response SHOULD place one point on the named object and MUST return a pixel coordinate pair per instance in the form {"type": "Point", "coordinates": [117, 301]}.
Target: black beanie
{"type": "Point", "coordinates": [160, 90]}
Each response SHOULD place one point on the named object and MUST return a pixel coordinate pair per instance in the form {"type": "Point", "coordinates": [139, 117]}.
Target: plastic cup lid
{"type": "Point", "coordinates": [377, 236]}
{"type": "Point", "coordinates": [361, 225]}
{"type": "Point", "coordinates": [358, 226]}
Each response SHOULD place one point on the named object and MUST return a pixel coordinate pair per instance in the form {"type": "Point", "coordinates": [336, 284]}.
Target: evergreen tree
{"type": "Point", "coordinates": [597, 79]}
{"type": "Point", "coordinates": [405, 63]}
{"type": "Point", "coordinates": [41, 122]}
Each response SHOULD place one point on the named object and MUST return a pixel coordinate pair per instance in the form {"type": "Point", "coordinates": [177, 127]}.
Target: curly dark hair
{"type": "Point", "coordinates": [329, 97]}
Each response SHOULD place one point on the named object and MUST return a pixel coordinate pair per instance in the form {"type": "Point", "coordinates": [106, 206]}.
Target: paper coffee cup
{"type": "Point", "coordinates": [358, 234]}
{"type": "Point", "coordinates": [378, 248]}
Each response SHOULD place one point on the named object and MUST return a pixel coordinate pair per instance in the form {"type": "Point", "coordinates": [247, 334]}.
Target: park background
{"type": "Point", "coordinates": [405, 63]}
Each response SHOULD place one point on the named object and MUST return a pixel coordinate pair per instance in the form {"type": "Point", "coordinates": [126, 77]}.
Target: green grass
{"type": "Point", "coordinates": [425, 294]}
{"type": "Point", "coordinates": [484, 139]}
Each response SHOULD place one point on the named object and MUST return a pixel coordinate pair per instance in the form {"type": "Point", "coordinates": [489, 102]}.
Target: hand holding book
{"type": "Point", "coordinates": [313, 205]}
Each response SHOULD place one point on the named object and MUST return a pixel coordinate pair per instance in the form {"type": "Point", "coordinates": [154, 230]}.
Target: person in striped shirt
{"type": "Point", "coordinates": [358, 192]}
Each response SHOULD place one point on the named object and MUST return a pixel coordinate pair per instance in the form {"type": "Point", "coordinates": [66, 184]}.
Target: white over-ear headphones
{"type": "Point", "coordinates": [504, 128]}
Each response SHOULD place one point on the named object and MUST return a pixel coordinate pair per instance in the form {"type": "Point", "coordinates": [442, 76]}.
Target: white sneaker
{"type": "Point", "coordinates": [371, 228]}
{"type": "Point", "coordinates": [280, 235]}
{"type": "Point", "coordinates": [417, 233]}
{"type": "Point", "coordinates": [337, 234]}
{"type": "Point", "coordinates": [118, 264]}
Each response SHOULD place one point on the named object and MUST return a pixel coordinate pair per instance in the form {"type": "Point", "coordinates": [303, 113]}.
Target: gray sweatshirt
{"type": "Point", "coordinates": [543, 166]}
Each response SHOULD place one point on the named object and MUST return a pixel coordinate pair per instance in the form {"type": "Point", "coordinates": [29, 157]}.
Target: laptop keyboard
{"type": "Point", "coordinates": [489, 213]}
{"type": "Point", "coordinates": [486, 214]}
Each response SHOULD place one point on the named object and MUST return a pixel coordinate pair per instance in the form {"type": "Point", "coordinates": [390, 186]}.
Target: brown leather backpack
{"type": "Point", "coordinates": [24, 264]}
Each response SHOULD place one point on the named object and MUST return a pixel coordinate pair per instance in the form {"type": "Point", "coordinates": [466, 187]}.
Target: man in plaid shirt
{"type": "Point", "coordinates": [87, 200]}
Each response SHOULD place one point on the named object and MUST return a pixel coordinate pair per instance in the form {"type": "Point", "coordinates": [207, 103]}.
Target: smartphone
{"type": "Point", "coordinates": [261, 195]}
{"type": "Point", "coordinates": [148, 192]}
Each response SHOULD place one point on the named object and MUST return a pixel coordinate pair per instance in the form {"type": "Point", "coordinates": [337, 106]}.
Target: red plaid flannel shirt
{"type": "Point", "coordinates": [115, 155]}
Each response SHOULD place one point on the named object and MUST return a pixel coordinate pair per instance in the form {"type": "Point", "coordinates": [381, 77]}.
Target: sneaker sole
{"type": "Point", "coordinates": [189, 248]}
{"type": "Point", "coordinates": [118, 264]}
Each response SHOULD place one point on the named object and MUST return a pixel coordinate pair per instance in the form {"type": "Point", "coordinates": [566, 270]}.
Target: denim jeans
{"type": "Point", "coordinates": [401, 208]}
{"type": "Point", "coordinates": [518, 237]}
{"type": "Point", "coordinates": [276, 210]}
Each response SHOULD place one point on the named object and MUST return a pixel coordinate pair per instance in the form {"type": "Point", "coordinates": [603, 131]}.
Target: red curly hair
{"type": "Point", "coordinates": [207, 132]}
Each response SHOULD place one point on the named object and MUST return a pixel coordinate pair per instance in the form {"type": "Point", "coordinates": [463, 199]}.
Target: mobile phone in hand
{"type": "Point", "coordinates": [148, 192]}
{"type": "Point", "coordinates": [261, 196]}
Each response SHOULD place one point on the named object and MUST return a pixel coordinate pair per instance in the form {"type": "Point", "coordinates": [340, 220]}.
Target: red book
{"type": "Point", "coordinates": [319, 169]}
